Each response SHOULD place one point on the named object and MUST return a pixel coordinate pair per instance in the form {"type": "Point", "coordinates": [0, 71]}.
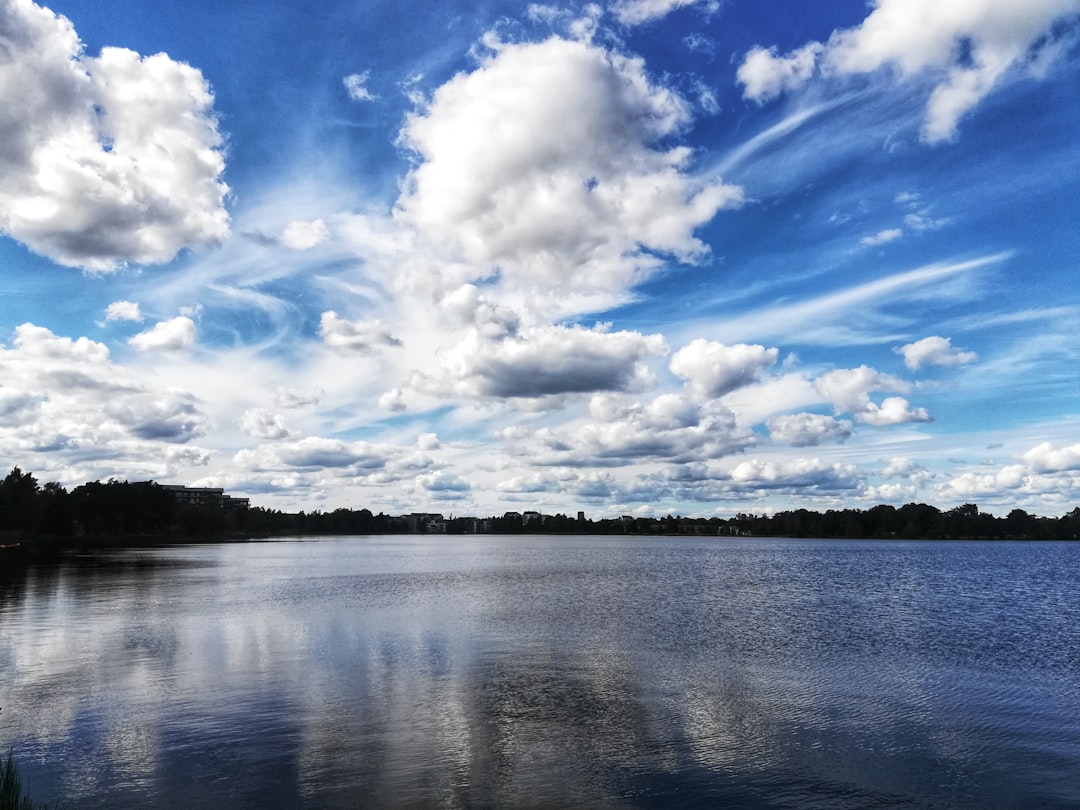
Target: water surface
{"type": "Point", "coordinates": [489, 671]}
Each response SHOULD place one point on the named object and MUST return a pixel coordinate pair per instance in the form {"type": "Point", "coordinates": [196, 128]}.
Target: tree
{"type": "Point", "coordinates": [18, 502]}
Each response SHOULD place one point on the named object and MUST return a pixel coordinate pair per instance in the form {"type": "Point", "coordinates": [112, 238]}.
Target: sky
{"type": "Point", "coordinates": [648, 257]}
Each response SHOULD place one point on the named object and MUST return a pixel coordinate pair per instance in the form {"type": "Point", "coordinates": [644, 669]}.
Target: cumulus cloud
{"type": "Point", "coordinates": [966, 46]}
{"type": "Point", "coordinates": [18, 407]}
{"type": "Point", "coordinates": [969, 485]}
{"type": "Point", "coordinates": [765, 75]}
{"type": "Point", "coordinates": [301, 235]}
{"type": "Point", "coordinates": [805, 475]}
{"type": "Point", "coordinates": [1046, 457]}
{"type": "Point", "coordinates": [356, 86]}
{"type": "Point", "coordinates": [635, 12]}
{"type": "Point", "coordinates": [848, 389]}
{"type": "Point", "coordinates": [443, 485]}
{"type": "Point", "coordinates": [393, 401]}
{"type": "Point", "coordinates": [901, 468]}
{"type": "Point", "coordinates": [807, 429]}
{"type": "Point", "coordinates": [1045, 469]}
{"type": "Point", "coordinates": [891, 493]}
{"type": "Point", "coordinates": [263, 424]}
{"type": "Point", "coordinates": [354, 336]}
{"type": "Point", "coordinates": [713, 369]}
{"type": "Point", "coordinates": [67, 406]}
{"type": "Point", "coordinates": [173, 416]}
{"type": "Point", "coordinates": [531, 483]}
{"type": "Point", "coordinates": [892, 411]}
{"type": "Point", "coordinates": [671, 427]}
{"type": "Point", "coordinates": [428, 441]}
{"type": "Point", "coordinates": [166, 336]}
{"type": "Point", "coordinates": [467, 306]}
{"type": "Point", "coordinates": [545, 164]}
{"type": "Point", "coordinates": [123, 311]}
{"type": "Point", "coordinates": [39, 342]}
{"type": "Point", "coordinates": [544, 361]}
{"type": "Point", "coordinates": [103, 160]}
{"type": "Point", "coordinates": [934, 351]}
{"type": "Point", "coordinates": [849, 392]}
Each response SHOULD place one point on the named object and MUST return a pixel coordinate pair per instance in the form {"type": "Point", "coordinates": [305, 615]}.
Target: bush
{"type": "Point", "coordinates": [11, 794]}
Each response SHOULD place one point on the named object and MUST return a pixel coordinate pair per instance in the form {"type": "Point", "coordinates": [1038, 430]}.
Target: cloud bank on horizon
{"type": "Point", "coordinates": [658, 256]}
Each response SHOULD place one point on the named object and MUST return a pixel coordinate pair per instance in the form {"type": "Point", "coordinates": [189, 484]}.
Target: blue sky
{"type": "Point", "coordinates": [645, 257]}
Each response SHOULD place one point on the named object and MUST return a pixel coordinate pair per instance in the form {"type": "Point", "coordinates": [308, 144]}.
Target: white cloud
{"type": "Point", "coordinates": [807, 429]}
{"type": "Point", "coordinates": [301, 235]}
{"type": "Point", "coordinates": [263, 424]}
{"type": "Point", "coordinates": [542, 164]}
{"type": "Point", "coordinates": [804, 475]}
{"type": "Point", "coordinates": [804, 319]}
{"type": "Point", "coordinates": [123, 311]}
{"type": "Point", "coordinates": [299, 398]}
{"type": "Point", "coordinates": [934, 351]}
{"type": "Point", "coordinates": [356, 86]}
{"type": "Point", "coordinates": [765, 75]}
{"type": "Point", "coordinates": [393, 401]}
{"type": "Point", "coordinates": [1046, 457]}
{"type": "Point", "coordinates": [172, 416]}
{"type": "Point", "coordinates": [902, 468]}
{"type": "Point", "coordinates": [891, 493]}
{"type": "Point", "coordinates": [356, 336]}
{"type": "Point", "coordinates": [849, 389]}
{"type": "Point", "coordinates": [68, 409]}
{"type": "Point", "coordinates": [922, 221]}
{"type": "Point", "coordinates": [107, 159]}
{"type": "Point", "coordinates": [315, 453]}
{"type": "Point", "coordinates": [39, 342]}
{"type": "Point", "coordinates": [881, 237]}
{"type": "Point", "coordinates": [1046, 470]}
{"type": "Point", "coordinates": [167, 336]}
{"type": "Point", "coordinates": [969, 485]}
{"type": "Point", "coordinates": [18, 407]}
{"type": "Point", "coordinates": [635, 12]}
{"type": "Point", "coordinates": [545, 361]}
{"type": "Point", "coordinates": [713, 369]}
{"type": "Point", "coordinates": [966, 46]}
{"type": "Point", "coordinates": [671, 427]}
{"type": "Point", "coordinates": [443, 485]}
{"type": "Point", "coordinates": [428, 441]}
{"type": "Point", "coordinates": [545, 481]}
{"type": "Point", "coordinates": [892, 411]}
{"type": "Point", "coordinates": [466, 306]}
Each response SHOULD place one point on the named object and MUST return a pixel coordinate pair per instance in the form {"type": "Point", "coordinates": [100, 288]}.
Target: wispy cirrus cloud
{"type": "Point", "coordinates": [967, 48]}
{"type": "Point", "coordinates": [801, 321]}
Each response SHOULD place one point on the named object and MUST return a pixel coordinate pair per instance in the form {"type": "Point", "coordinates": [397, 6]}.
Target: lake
{"type": "Point", "coordinates": [547, 671]}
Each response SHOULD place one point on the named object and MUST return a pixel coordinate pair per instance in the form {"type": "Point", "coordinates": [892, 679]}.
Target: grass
{"type": "Point", "coordinates": [11, 791]}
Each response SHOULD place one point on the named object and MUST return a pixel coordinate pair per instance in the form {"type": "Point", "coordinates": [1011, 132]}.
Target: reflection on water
{"type": "Point", "coordinates": [562, 671]}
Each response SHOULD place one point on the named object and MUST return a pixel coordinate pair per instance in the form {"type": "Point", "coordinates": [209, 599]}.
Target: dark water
{"type": "Point", "coordinates": [547, 672]}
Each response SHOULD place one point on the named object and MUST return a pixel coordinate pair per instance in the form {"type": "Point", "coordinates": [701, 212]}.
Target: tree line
{"type": "Point", "coordinates": [123, 509]}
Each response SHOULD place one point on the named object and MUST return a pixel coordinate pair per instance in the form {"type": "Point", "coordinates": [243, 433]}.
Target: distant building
{"type": "Point", "coordinates": [426, 522]}
{"type": "Point", "coordinates": [205, 496]}
{"type": "Point", "coordinates": [232, 504]}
